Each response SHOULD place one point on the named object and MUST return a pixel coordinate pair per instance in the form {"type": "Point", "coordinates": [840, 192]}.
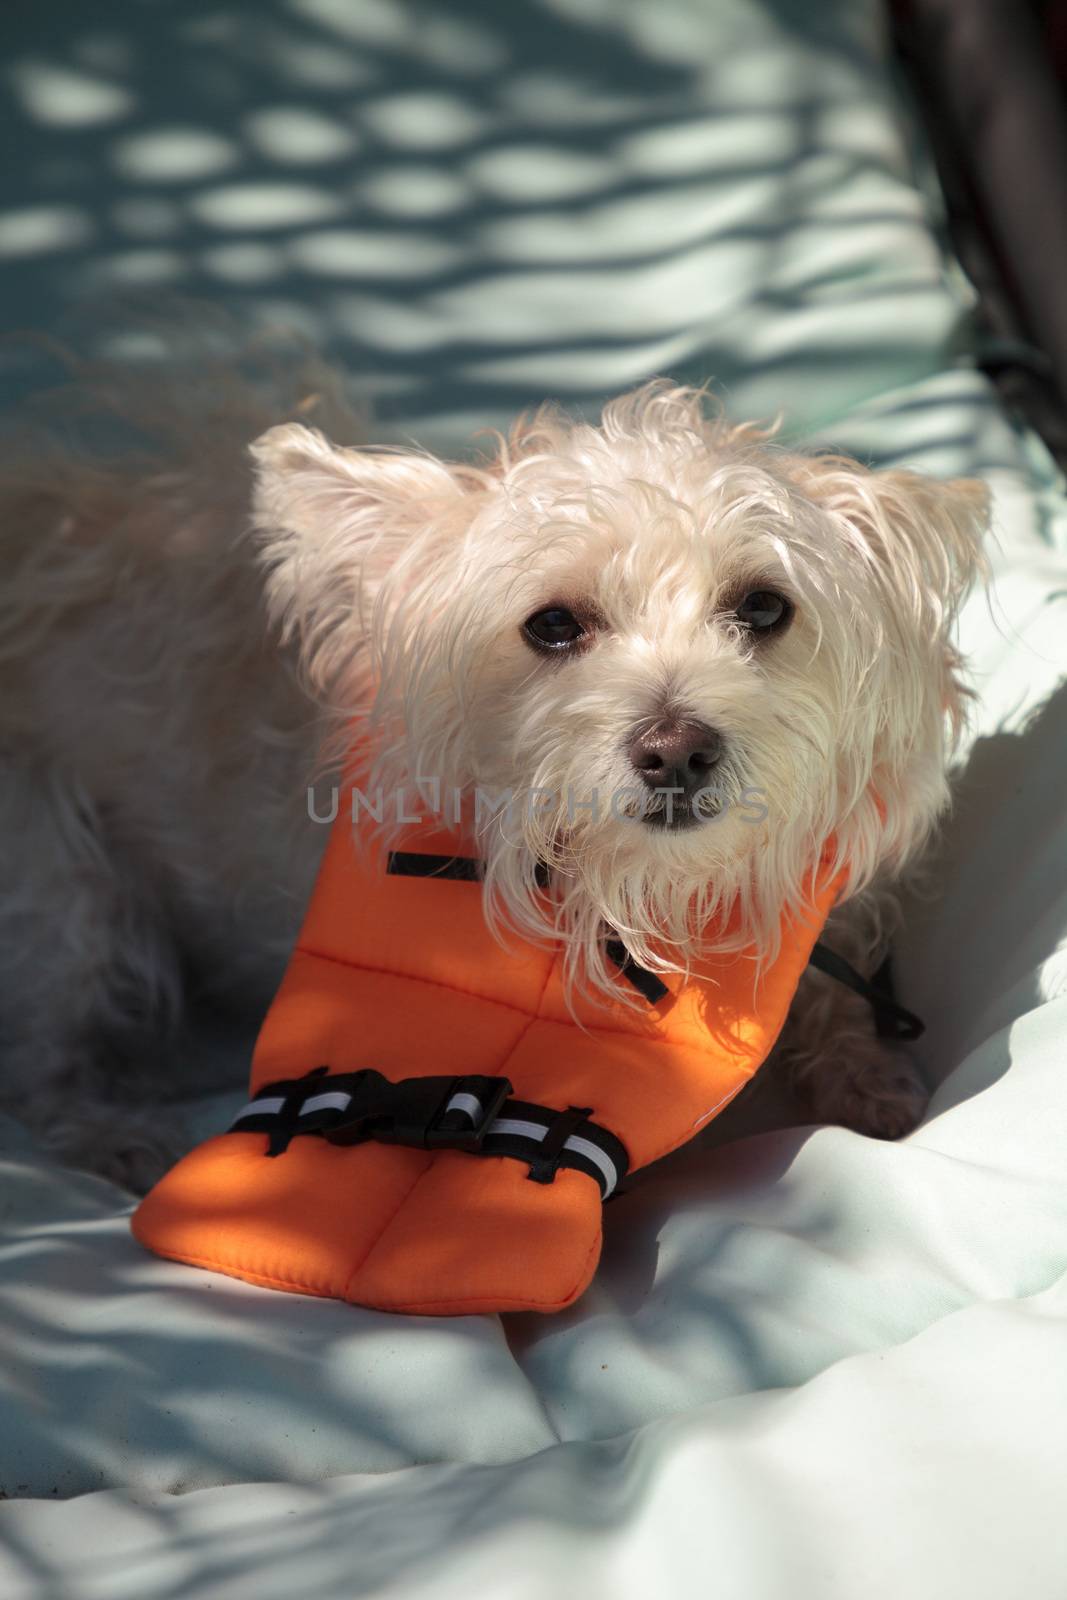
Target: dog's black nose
{"type": "Point", "coordinates": [675, 754]}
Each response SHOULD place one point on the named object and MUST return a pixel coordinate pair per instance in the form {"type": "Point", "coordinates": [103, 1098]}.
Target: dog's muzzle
{"type": "Point", "coordinates": [675, 760]}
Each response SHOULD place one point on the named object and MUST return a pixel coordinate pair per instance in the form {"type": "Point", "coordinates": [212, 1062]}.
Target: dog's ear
{"type": "Point", "coordinates": [307, 485]}
{"type": "Point", "coordinates": [911, 546]}
{"type": "Point", "coordinates": [921, 538]}
{"type": "Point", "coordinates": [336, 526]}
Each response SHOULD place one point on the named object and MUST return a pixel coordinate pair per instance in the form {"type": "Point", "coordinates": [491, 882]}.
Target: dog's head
{"type": "Point", "coordinates": [667, 657]}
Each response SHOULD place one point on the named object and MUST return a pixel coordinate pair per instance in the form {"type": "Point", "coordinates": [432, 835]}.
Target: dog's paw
{"type": "Point", "coordinates": [874, 1089]}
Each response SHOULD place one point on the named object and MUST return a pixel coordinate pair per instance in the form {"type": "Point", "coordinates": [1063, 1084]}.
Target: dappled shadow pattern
{"type": "Point", "coordinates": [474, 207]}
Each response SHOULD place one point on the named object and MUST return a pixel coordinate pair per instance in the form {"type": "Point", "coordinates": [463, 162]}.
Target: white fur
{"type": "Point", "coordinates": [162, 707]}
{"type": "Point", "coordinates": [406, 583]}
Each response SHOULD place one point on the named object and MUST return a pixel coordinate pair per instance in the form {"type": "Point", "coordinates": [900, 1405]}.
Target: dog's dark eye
{"type": "Point", "coordinates": [553, 629]}
{"type": "Point", "coordinates": [764, 611]}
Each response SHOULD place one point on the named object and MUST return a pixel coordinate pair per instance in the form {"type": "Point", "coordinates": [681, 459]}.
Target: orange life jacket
{"type": "Point", "coordinates": [412, 1077]}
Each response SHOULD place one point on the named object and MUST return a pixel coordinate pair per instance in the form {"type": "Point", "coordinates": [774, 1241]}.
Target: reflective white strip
{"type": "Point", "coordinates": [581, 1147]}
{"type": "Point", "coordinates": [592, 1152]}
{"type": "Point", "coordinates": [255, 1108]}
{"type": "Point", "coordinates": [337, 1100]}
{"type": "Point", "coordinates": [469, 1104]}
{"type": "Point", "coordinates": [514, 1126]}
{"type": "Point", "coordinates": [525, 1130]}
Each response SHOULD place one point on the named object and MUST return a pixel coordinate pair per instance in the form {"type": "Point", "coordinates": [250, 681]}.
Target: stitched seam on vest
{"type": "Point", "coordinates": [231, 1267]}
{"type": "Point", "coordinates": [535, 1016]}
{"type": "Point", "coordinates": [386, 1225]}
{"type": "Point", "coordinates": [414, 977]}
{"type": "Point", "coordinates": [421, 1307]}
{"type": "Point", "coordinates": [234, 1269]}
{"type": "Point", "coordinates": [531, 1019]}
{"type": "Point", "coordinates": [249, 1272]}
{"type": "Point", "coordinates": [595, 1028]}
{"type": "Point", "coordinates": [237, 1268]}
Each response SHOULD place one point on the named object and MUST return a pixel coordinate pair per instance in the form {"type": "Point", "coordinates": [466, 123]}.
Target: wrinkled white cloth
{"type": "Point", "coordinates": [811, 1365]}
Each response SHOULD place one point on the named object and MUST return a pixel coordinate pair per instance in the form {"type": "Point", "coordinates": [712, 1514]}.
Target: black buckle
{"type": "Point", "coordinates": [414, 1112]}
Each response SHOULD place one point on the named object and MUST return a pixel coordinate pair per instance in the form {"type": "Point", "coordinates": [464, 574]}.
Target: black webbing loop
{"type": "Point", "coordinates": [648, 986]}
{"type": "Point", "coordinates": [472, 1114]}
{"type": "Point", "coordinates": [468, 869]}
{"type": "Point", "coordinates": [892, 1021]}
{"type": "Point", "coordinates": [287, 1119]}
{"type": "Point", "coordinates": [428, 1113]}
{"type": "Point", "coordinates": [414, 864]}
{"type": "Point", "coordinates": [545, 1164]}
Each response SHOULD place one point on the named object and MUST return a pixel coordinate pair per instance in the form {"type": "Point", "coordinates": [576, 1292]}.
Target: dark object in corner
{"type": "Point", "coordinates": [986, 76]}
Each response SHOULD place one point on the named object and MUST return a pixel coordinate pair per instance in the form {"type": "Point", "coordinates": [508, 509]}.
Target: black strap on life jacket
{"type": "Point", "coordinates": [473, 1113]}
{"type": "Point", "coordinates": [413, 864]}
{"type": "Point", "coordinates": [892, 1021]}
{"type": "Point", "coordinates": [467, 869]}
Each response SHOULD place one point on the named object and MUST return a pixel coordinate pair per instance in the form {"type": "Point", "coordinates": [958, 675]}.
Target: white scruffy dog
{"type": "Point", "coordinates": [691, 659]}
